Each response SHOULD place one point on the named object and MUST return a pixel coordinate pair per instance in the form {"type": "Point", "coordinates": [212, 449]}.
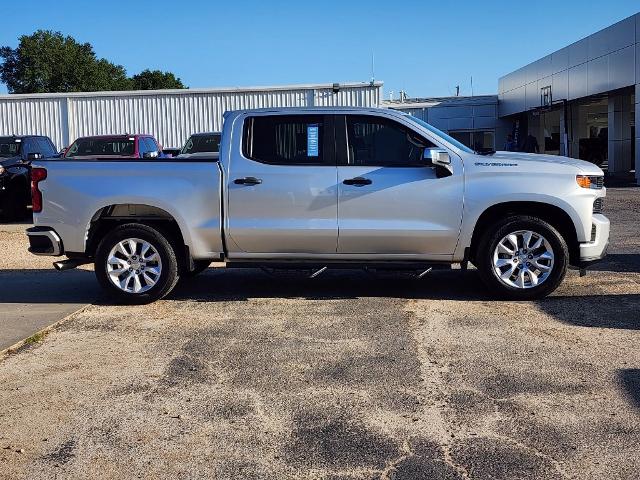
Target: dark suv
{"type": "Point", "coordinates": [16, 154]}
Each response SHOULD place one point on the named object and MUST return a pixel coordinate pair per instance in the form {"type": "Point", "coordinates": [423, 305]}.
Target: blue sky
{"type": "Point", "coordinates": [423, 47]}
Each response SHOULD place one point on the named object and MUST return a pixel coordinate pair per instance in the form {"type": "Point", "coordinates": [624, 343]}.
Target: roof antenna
{"type": "Point", "coordinates": [472, 85]}
{"type": "Point", "coordinates": [457, 90]}
{"type": "Point", "coordinates": [373, 68]}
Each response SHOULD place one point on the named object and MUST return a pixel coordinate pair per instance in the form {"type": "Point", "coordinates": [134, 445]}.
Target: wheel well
{"type": "Point", "coordinates": [110, 217]}
{"type": "Point", "coordinates": [555, 216]}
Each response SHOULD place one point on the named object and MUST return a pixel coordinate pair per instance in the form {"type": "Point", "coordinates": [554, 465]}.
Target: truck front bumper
{"type": "Point", "coordinates": [44, 241]}
{"type": "Point", "coordinates": [596, 249]}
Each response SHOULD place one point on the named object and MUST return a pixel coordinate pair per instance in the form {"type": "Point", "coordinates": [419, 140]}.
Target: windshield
{"type": "Point", "coordinates": [439, 133]}
{"type": "Point", "coordinates": [101, 146]}
{"type": "Point", "coordinates": [202, 143]}
{"type": "Point", "coordinates": [9, 147]}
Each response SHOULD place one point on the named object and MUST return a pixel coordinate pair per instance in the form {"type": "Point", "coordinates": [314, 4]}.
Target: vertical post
{"type": "Point", "coordinates": [637, 120]}
{"type": "Point", "coordinates": [619, 134]}
{"type": "Point", "coordinates": [65, 124]}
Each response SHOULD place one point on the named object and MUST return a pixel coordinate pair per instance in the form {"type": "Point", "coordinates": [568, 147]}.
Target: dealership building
{"type": "Point", "coordinates": [582, 100]}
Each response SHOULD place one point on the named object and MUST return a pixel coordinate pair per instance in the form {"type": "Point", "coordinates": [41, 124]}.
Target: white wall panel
{"type": "Point", "coordinates": [171, 116]}
{"type": "Point", "coordinates": [34, 116]}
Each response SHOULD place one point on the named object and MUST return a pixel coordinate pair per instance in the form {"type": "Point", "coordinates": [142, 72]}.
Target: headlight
{"type": "Point", "coordinates": [586, 181]}
{"type": "Point", "coordinates": [1, 170]}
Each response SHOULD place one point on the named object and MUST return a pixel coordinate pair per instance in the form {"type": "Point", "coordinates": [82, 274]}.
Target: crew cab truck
{"type": "Point", "coordinates": [322, 187]}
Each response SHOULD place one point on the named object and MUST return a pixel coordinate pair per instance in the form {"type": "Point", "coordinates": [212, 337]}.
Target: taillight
{"type": "Point", "coordinates": [37, 175]}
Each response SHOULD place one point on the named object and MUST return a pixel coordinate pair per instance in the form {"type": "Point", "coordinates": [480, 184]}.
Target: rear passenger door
{"type": "Point", "coordinates": [282, 193]}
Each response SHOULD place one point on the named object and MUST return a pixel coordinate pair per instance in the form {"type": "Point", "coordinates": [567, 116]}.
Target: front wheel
{"type": "Point", "coordinates": [522, 258]}
{"type": "Point", "coordinates": [136, 264]}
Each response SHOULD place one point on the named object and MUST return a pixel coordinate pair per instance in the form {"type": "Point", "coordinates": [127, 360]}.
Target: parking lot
{"type": "Point", "coordinates": [350, 375]}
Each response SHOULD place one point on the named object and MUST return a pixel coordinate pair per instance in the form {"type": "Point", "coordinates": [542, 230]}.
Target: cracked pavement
{"type": "Point", "coordinates": [241, 375]}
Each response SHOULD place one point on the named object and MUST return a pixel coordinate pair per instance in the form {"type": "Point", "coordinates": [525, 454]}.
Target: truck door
{"type": "Point", "coordinates": [282, 191]}
{"type": "Point", "coordinates": [390, 200]}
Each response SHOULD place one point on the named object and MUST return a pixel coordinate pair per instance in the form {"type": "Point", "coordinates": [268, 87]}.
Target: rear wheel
{"type": "Point", "coordinates": [136, 264]}
{"type": "Point", "coordinates": [522, 258]}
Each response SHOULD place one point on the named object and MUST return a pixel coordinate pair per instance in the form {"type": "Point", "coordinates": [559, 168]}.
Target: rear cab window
{"type": "Point", "coordinates": [287, 139]}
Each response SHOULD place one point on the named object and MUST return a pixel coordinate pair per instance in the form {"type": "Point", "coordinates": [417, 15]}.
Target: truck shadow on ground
{"type": "Point", "coordinates": [239, 285]}
{"type": "Point", "coordinates": [629, 380]}
{"type": "Point", "coordinates": [599, 311]}
{"type": "Point", "coordinates": [618, 262]}
{"type": "Point", "coordinates": [80, 287]}
{"type": "Point", "coordinates": [604, 311]}
{"type": "Point", "coordinates": [49, 286]}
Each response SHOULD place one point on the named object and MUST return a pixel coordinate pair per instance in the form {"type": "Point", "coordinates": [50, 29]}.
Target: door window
{"type": "Point", "coordinates": [29, 145]}
{"type": "Point", "coordinates": [143, 146]}
{"type": "Point", "coordinates": [285, 139]}
{"type": "Point", "coordinates": [152, 146]}
{"type": "Point", "coordinates": [46, 149]}
{"type": "Point", "coordinates": [379, 142]}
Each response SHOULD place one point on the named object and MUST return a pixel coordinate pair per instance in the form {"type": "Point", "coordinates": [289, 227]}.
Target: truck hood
{"type": "Point", "coordinates": [531, 159]}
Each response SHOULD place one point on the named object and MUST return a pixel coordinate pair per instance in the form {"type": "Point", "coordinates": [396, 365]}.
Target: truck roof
{"type": "Point", "coordinates": [118, 135]}
{"type": "Point", "coordinates": [317, 109]}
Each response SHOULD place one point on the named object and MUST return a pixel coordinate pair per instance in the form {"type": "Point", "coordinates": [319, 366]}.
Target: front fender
{"type": "Point", "coordinates": [481, 195]}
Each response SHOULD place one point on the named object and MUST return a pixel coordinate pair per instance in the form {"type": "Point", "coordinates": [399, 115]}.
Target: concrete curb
{"type": "Point", "coordinates": [16, 346]}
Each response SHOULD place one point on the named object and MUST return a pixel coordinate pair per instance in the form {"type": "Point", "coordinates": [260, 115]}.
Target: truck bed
{"type": "Point", "coordinates": [187, 189]}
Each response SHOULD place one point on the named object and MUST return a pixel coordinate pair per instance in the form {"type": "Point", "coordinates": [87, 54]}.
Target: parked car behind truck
{"type": "Point", "coordinates": [323, 187]}
{"type": "Point", "coordinates": [202, 144]}
{"type": "Point", "coordinates": [129, 146]}
{"type": "Point", "coordinates": [16, 154]}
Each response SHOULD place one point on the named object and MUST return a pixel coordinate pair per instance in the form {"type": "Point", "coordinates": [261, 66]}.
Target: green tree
{"type": "Point", "coordinates": [50, 62]}
{"type": "Point", "coordinates": [47, 61]}
{"type": "Point", "coordinates": [155, 80]}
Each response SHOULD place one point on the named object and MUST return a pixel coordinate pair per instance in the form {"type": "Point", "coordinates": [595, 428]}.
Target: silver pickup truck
{"type": "Point", "coordinates": [318, 188]}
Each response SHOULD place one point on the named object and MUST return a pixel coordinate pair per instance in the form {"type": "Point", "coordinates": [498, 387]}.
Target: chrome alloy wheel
{"type": "Point", "coordinates": [134, 265]}
{"type": "Point", "coordinates": [523, 259]}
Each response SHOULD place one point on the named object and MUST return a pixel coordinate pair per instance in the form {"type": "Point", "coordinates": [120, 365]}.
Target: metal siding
{"type": "Point", "coordinates": [34, 116]}
{"type": "Point", "coordinates": [171, 117]}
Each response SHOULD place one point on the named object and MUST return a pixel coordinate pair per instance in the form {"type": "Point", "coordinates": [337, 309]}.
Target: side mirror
{"type": "Point", "coordinates": [33, 156]}
{"type": "Point", "coordinates": [150, 155]}
{"type": "Point", "coordinates": [442, 158]}
{"type": "Point", "coordinates": [437, 157]}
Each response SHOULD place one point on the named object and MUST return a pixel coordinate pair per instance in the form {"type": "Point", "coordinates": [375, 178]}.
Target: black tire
{"type": "Point", "coordinates": [168, 277]}
{"type": "Point", "coordinates": [199, 266]}
{"type": "Point", "coordinates": [489, 242]}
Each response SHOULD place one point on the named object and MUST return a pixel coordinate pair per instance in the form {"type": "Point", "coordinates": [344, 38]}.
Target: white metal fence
{"type": "Point", "coordinates": [170, 115]}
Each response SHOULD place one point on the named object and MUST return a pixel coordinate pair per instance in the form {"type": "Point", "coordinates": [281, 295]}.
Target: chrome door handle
{"type": "Point", "coordinates": [247, 181]}
{"type": "Point", "coordinates": [357, 181]}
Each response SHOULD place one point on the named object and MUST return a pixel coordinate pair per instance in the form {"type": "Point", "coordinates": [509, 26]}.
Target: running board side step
{"type": "Point", "coordinates": [69, 264]}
